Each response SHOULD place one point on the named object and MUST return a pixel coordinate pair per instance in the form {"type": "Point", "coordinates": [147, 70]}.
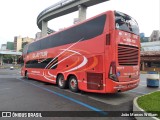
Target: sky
{"type": "Point", "coordinates": [18, 17]}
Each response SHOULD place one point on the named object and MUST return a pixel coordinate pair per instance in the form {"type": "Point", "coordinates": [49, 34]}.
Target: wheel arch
{"type": "Point", "coordinates": [58, 76]}
{"type": "Point", "coordinates": [25, 72]}
{"type": "Point", "coordinates": [70, 75]}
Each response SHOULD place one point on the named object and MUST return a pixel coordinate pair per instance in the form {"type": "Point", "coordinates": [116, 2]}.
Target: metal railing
{"type": "Point", "coordinates": [53, 7]}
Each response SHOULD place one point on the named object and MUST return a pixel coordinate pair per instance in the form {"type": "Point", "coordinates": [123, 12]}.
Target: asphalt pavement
{"type": "Point", "coordinates": [19, 94]}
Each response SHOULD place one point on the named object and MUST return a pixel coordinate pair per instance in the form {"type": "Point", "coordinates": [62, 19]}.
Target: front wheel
{"type": "Point", "coordinates": [73, 84]}
{"type": "Point", "coordinates": [26, 75]}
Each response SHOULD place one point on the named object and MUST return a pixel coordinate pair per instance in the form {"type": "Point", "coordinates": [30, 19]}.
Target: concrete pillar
{"type": "Point", "coordinates": [143, 66]}
{"type": "Point", "coordinates": [1, 59]}
{"type": "Point", "coordinates": [82, 12]}
{"type": "Point", "coordinates": [44, 28]}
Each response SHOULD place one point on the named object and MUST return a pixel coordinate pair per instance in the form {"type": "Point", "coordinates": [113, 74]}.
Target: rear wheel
{"type": "Point", "coordinates": [73, 84]}
{"type": "Point", "coordinates": [61, 82]}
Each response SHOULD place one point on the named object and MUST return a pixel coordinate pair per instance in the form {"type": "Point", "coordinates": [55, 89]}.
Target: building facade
{"type": "Point", "coordinates": [17, 43]}
{"type": "Point", "coordinates": [150, 60]}
{"type": "Point", "coordinates": [3, 47]}
{"type": "Point", "coordinates": [38, 35]}
{"type": "Point", "coordinates": [150, 53]}
{"type": "Point", "coordinates": [20, 42]}
{"type": "Point", "coordinates": [155, 36]}
{"type": "Point", "coordinates": [10, 45]}
{"type": "Point", "coordinates": [150, 46]}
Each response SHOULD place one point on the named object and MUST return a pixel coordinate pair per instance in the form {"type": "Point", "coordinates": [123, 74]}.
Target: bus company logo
{"type": "Point", "coordinates": [130, 74]}
{"type": "Point", "coordinates": [120, 68]}
{"type": "Point", "coordinates": [40, 54]}
{"type": "Point", "coordinates": [129, 40]}
{"type": "Point", "coordinates": [135, 67]}
{"type": "Point", "coordinates": [21, 114]}
{"type": "Point", "coordinates": [6, 114]}
{"type": "Point", "coordinates": [135, 36]}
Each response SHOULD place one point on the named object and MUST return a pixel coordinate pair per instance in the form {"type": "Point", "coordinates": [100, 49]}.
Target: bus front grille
{"type": "Point", "coordinates": [127, 55]}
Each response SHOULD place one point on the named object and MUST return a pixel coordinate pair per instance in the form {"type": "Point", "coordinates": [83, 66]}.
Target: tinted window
{"type": "Point", "coordinates": [25, 49]}
{"type": "Point", "coordinates": [42, 63]}
{"type": "Point", "coordinates": [34, 46]}
{"type": "Point", "coordinates": [85, 31]}
{"type": "Point", "coordinates": [126, 23]}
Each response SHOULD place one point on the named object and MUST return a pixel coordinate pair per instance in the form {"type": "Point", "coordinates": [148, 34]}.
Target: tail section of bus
{"type": "Point", "coordinates": [122, 72]}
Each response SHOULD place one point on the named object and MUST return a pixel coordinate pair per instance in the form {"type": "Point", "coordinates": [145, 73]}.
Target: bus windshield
{"type": "Point", "coordinates": [126, 23]}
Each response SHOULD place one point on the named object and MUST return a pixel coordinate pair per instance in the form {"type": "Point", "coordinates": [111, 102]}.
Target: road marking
{"type": "Point", "coordinates": [4, 89]}
{"type": "Point", "coordinates": [68, 98]}
{"type": "Point", "coordinates": [141, 85]}
{"type": "Point", "coordinates": [96, 99]}
{"type": "Point", "coordinates": [73, 92]}
{"type": "Point", "coordinates": [143, 82]}
{"type": "Point", "coordinates": [137, 92]}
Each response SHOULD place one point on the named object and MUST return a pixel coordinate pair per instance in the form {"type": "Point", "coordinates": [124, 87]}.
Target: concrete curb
{"type": "Point", "coordinates": [7, 67]}
{"type": "Point", "coordinates": [137, 108]}
{"type": "Point", "coordinates": [143, 72]}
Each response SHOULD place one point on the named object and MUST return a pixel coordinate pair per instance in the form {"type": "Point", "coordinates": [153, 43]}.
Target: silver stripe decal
{"type": "Point", "coordinates": [43, 60]}
{"type": "Point", "coordinates": [43, 76]}
{"type": "Point", "coordinates": [49, 79]}
{"type": "Point", "coordinates": [63, 52]}
{"type": "Point", "coordinates": [52, 75]}
{"type": "Point", "coordinates": [62, 60]}
{"type": "Point", "coordinates": [79, 66]}
{"type": "Point", "coordinates": [85, 60]}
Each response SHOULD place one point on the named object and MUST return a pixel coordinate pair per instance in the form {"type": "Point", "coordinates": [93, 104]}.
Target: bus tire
{"type": "Point", "coordinates": [73, 84]}
{"type": "Point", "coordinates": [26, 75]}
{"type": "Point", "coordinates": [61, 82]}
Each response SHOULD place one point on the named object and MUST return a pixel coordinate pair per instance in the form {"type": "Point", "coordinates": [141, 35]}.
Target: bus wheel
{"type": "Point", "coordinates": [26, 75]}
{"type": "Point", "coordinates": [61, 82]}
{"type": "Point", "coordinates": [73, 84]}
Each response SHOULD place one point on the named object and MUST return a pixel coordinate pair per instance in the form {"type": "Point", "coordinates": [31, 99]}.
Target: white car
{"type": "Point", "coordinates": [11, 68]}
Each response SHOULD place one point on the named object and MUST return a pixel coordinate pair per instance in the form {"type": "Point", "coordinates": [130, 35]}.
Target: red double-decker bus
{"type": "Point", "coordinates": [101, 55]}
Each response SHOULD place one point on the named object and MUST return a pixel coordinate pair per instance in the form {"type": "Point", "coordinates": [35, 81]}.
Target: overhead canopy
{"type": "Point", "coordinates": [10, 53]}
{"type": "Point", "coordinates": [150, 56]}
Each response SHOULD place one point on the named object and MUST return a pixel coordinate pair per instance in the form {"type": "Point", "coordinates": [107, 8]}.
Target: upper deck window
{"type": "Point", "coordinates": [85, 31]}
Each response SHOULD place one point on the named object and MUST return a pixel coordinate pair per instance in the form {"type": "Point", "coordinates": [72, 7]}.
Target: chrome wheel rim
{"type": "Point", "coordinates": [61, 81]}
{"type": "Point", "coordinates": [73, 83]}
